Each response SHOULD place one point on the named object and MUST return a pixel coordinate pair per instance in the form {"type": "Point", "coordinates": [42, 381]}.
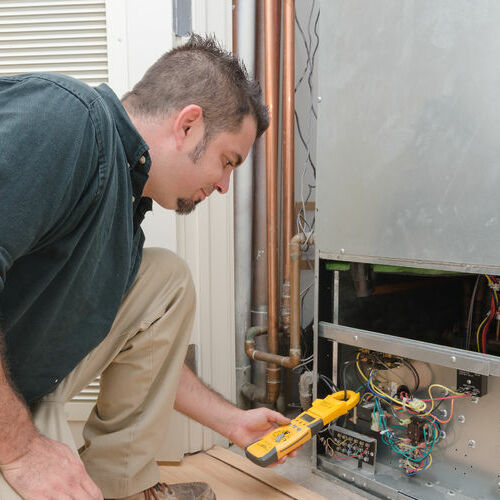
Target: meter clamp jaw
{"type": "Point", "coordinates": [284, 439]}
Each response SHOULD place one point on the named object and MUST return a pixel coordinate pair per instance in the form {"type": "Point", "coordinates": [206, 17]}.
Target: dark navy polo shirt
{"type": "Point", "coordinates": [72, 171]}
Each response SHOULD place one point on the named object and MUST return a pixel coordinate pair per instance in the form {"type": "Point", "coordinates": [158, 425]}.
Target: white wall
{"type": "Point", "coordinates": [205, 238]}
{"type": "Point", "coordinates": [139, 33]}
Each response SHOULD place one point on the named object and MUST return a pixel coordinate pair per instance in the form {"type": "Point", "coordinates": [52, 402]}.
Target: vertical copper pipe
{"type": "Point", "coordinates": [271, 17]}
{"type": "Point", "coordinates": [288, 151]}
{"type": "Point", "coordinates": [234, 6]}
{"type": "Point", "coordinates": [259, 259]}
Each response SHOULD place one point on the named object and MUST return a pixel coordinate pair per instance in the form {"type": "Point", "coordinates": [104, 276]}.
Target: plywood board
{"type": "Point", "coordinates": [227, 482]}
{"type": "Point", "coordinates": [265, 475]}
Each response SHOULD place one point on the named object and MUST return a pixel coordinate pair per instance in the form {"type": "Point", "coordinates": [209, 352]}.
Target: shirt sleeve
{"type": "Point", "coordinates": [48, 159]}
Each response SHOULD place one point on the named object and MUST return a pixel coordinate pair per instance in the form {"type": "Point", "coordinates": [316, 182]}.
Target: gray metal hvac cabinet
{"type": "Point", "coordinates": [408, 153]}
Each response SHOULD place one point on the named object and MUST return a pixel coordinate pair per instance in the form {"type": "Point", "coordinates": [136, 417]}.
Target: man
{"type": "Point", "coordinates": [79, 296]}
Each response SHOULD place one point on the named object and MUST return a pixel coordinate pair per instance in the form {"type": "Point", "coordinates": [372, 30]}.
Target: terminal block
{"type": "Point", "coordinates": [350, 443]}
{"type": "Point", "coordinates": [472, 383]}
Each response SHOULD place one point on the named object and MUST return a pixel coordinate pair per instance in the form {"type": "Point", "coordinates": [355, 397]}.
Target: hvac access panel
{"type": "Point", "coordinates": [408, 145]}
{"type": "Point", "coordinates": [407, 254]}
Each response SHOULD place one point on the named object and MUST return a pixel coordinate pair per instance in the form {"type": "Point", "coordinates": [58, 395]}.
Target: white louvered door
{"type": "Point", "coordinates": [62, 36]}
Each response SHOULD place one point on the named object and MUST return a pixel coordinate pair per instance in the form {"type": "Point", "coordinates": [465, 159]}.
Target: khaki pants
{"type": "Point", "coordinates": [140, 363]}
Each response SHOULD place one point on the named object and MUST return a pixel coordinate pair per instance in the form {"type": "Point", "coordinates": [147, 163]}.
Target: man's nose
{"type": "Point", "coordinates": [223, 185]}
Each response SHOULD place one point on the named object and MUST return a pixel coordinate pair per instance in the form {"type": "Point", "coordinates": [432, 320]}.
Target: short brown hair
{"type": "Point", "coordinates": [200, 72]}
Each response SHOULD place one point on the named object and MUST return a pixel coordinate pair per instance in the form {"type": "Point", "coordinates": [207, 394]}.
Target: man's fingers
{"type": "Point", "coordinates": [278, 417]}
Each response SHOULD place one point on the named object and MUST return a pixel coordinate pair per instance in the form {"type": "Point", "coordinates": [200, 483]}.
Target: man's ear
{"type": "Point", "coordinates": [188, 126]}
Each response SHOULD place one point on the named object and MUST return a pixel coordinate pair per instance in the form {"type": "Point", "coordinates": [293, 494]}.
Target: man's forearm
{"type": "Point", "coordinates": [197, 401]}
{"type": "Point", "coordinates": [16, 428]}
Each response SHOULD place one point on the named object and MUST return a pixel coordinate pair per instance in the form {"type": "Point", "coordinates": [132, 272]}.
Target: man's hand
{"type": "Point", "coordinates": [50, 471]}
{"type": "Point", "coordinates": [200, 403]}
{"type": "Point", "coordinates": [254, 424]}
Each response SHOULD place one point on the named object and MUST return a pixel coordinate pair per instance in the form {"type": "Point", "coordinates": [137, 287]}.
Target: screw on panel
{"type": "Point", "coordinates": [355, 337]}
{"type": "Point", "coordinates": [461, 419]}
{"type": "Point", "coordinates": [471, 443]}
{"type": "Point", "coordinates": [453, 359]}
{"type": "Point", "coordinates": [429, 484]}
{"type": "Point", "coordinates": [444, 413]}
{"type": "Point", "coordinates": [342, 251]}
{"type": "Point", "coordinates": [469, 381]}
{"type": "Point", "coordinates": [451, 493]}
{"type": "Point", "coordinates": [442, 435]}
{"type": "Point", "coordinates": [319, 98]}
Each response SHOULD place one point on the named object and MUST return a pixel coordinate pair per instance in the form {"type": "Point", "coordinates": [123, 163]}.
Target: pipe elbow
{"type": "Point", "coordinates": [253, 332]}
{"type": "Point", "coordinates": [295, 357]}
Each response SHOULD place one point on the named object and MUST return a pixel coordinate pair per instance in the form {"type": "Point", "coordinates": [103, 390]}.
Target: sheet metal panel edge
{"type": "Point", "coordinates": [408, 132]}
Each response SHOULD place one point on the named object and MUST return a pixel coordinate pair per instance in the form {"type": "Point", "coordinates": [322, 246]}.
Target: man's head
{"type": "Point", "coordinates": [200, 113]}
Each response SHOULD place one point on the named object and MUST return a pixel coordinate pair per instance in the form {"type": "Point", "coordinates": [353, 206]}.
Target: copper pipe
{"type": "Point", "coordinates": [234, 6]}
{"type": "Point", "coordinates": [288, 152]}
{"type": "Point", "coordinates": [295, 253]}
{"type": "Point", "coordinates": [259, 257]}
{"type": "Point", "coordinates": [271, 16]}
{"type": "Point", "coordinates": [293, 358]}
{"type": "Point", "coordinates": [259, 264]}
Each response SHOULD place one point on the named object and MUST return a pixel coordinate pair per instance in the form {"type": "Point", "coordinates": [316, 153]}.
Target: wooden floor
{"type": "Point", "coordinates": [233, 477]}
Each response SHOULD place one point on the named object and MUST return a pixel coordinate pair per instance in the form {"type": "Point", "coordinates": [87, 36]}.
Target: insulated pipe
{"type": "Point", "coordinates": [288, 152]}
{"type": "Point", "coordinates": [259, 256]}
{"type": "Point", "coordinates": [271, 17]}
{"type": "Point", "coordinates": [244, 46]}
{"type": "Point", "coordinates": [293, 359]}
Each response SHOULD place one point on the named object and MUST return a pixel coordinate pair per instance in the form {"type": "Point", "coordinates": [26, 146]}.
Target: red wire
{"type": "Point", "coordinates": [451, 415]}
{"type": "Point", "coordinates": [490, 319]}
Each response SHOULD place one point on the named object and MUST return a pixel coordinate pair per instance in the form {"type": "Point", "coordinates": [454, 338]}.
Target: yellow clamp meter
{"type": "Point", "coordinates": [286, 438]}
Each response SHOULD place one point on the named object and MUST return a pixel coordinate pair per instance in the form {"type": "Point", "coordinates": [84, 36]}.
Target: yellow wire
{"type": "Point", "coordinates": [429, 390]}
{"type": "Point", "coordinates": [364, 395]}
{"type": "Point", "coordinates": [477, 333]}
{"type": "Point", "coordinates": [446, 388]}
{"type": "Point", "coordinates": [329, 446]}
{"type": "Point", "coordinates": [410, 465]}
{"type": "Point", "coordinates": [413, 405]}
{"type": "Point", "coordinates": [491, 282]}
{"type": "Point", "coordinates": [359, 368]}
{"type": "Point", "coordinates": [416, 404]}
{"type": "Point", "coordinates": [430, 462]}
{"type": "Point", "coordinates": [345, 440]}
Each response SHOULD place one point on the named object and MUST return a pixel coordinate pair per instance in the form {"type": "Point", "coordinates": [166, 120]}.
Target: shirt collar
{"type": "Point", "coordinates": [134, 145]}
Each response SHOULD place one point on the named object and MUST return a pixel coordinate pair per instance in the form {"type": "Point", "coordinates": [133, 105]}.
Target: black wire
{"type": "Point", "coordinates": [308, 52]}
{"type": "Point", "coordinates": [305, 144]}
{"type": "Point", "coordinates": [311, 73]}
{"type": "Point", "coordinates": [414, 372]}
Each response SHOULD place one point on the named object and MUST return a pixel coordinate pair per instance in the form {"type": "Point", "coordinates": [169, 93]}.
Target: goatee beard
{"type": "Point", "coordinates": [185, 206]}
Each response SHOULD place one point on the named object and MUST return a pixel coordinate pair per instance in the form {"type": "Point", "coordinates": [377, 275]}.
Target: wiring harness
{"type": "Point", "coordinates": [409, 425]}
